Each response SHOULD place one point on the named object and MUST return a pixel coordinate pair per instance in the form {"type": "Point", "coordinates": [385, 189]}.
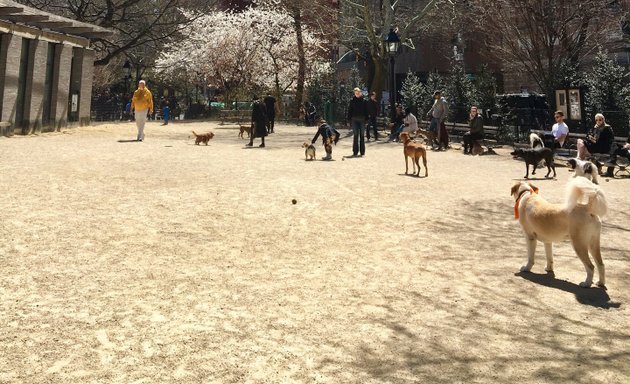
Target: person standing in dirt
{"type": "Point", "coordinates": [166, 112]}
{"type": "Point", "coordinates": [329, 136]}
{"type": "Point", "coordinates": [373, 109]}
{"type": "Point", "coordinates": [357, 116]}
{"type": "Point", "coordinates": [270, 105]}
{"type": "Point", "coordinates": [437, 113]}
{"type": "Point", "coordinates": [259, 122]}
{"type": "Point", "coordinates": [142, 104]}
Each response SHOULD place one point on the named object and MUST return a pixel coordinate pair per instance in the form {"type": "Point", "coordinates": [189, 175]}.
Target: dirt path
{"type": "Point", "coordinates": [166, 262]}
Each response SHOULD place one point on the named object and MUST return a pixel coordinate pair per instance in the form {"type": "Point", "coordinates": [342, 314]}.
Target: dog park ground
{"type": "Point", "coordinates": [166, 262]}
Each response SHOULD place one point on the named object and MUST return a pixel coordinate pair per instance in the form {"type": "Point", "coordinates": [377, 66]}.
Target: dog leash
{"type": "Point", "coordinates": [518, 200]}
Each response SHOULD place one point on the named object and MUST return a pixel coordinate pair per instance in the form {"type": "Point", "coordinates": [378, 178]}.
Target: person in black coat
{"type": "Point", "coordinates": [357, 116]}
{"type": "Point", "coordinates": [598, 139]}
{"type": "Point", "coordinates": [270, 105]}
{"type": "Point", "coordinates": [259, 122]}
{"type": "Point", "coordinates": [373, 108]}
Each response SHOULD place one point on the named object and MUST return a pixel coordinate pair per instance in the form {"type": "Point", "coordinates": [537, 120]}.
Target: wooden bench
{"type": "Point", "coordinates": [569, 150]}
{"type": "Point", "coordinates": [490, 134]}
{"type": "Point", "coordinates": [235, 115]}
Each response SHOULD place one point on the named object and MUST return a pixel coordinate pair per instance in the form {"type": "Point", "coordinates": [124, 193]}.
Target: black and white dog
{"type": "Point", "coordinates": [535, 141]}
{"type": "Point", "coordinates": [584, 169]}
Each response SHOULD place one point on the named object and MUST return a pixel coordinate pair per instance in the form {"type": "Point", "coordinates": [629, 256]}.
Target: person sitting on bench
{"type": "Point", "coordinates": [599, 139]}
{"type": "Point", "coordinates": [559, 132]}
{"type": "Point", "coordinates": [476, 130]}
{"type": "Point", "coordinates": [397, 125]}
{"type": "Point", "coordinates": [617, 151]}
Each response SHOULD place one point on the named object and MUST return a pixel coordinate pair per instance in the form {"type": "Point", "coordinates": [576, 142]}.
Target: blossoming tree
{"type": "Point", "coordinates": [242, 52]}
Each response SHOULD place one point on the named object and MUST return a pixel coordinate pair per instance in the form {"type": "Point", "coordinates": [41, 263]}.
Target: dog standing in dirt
{"type": "Point", "coordinates": [584, 168]}
{"type": "Point", "coordinates": [244, 128]}
{"type": "Point", "coordinates": [578, 219]}
{"type": "Point", "coordinates": [202, 137]}
{"type": "Point", "coordinates": [415, 151]}
{"type": "Point", "coordinates": [533, 157]}
{"type": "Point", "coordinates": [309, 152]}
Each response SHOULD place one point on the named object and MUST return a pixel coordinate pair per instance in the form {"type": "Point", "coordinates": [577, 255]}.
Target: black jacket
{"type": "Point", "coordinates": [325, 131]}
{"type": "Point", "coordinates": [357, 110]}
{"type": "Point", "coordinates": [372, 107]}
{"type": "Point", "coordinates": [603, 139]}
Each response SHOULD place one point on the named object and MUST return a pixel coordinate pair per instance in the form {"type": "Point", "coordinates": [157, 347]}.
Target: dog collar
{"type": "Point", "coordinates": [518, 200]}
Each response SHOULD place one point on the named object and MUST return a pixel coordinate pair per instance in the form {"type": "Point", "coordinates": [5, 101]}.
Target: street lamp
{"type": "Point", "coordinates": [392, 44]}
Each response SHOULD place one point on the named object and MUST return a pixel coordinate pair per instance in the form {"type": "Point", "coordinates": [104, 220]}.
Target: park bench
{"type": "Point", "coordinates": [457, 130]}
{"type": "Point", "coordinates": [569, 151]}
{"type": "Point", "coordinates": [235, 115]}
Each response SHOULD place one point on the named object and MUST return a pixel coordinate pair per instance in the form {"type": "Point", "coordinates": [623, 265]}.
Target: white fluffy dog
{"type": "Point", "coordinates": [584, 168]}
{"type": "Point", "coordinates": [578, 219]}
{"type": "Point", "coordinates": [535, 141]}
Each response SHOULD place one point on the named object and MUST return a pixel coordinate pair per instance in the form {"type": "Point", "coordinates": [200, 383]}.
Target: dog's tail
{"type": "Point", "coordinates": [194, 133]}
{"type": "Point", "coordinates": [536, 141]}
{"type": "Point", "coordinates": [581, 191]}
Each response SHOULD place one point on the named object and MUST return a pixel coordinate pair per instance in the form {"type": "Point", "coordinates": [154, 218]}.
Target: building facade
{"type": "Point", "coordinates": [46, 69]}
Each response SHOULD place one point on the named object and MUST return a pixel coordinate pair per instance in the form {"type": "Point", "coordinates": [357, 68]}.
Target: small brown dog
{"type": "Point", "coordinates": [415, 151]}
{"type": "Point", "coordinates": [202, 137]}
{"type": "Point", "coordinates": [309, 152]}
{"type": "Point", "coordinates": [245, 128]}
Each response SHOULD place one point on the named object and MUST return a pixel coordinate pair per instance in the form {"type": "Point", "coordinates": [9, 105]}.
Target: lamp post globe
{"type": "Point", "coordinates": [392, 45]}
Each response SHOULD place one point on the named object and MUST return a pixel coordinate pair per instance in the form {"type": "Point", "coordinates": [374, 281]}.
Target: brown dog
{"type": "Point", "coordinates": [245, 128]}
{"type": "Point", "coordinates": [309, 152]}
{"type": "Point", "coordinates": [415, 151]}
{"type": "Point", "coordinates": [202, 137]}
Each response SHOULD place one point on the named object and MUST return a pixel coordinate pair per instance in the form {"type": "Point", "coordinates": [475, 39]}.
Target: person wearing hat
{"type": "Point", "coordinates": [142, 104]}
{"type": "Point", "coordinates": [329, 135]}
{"type": "Point", "coordinates": [259, 122]}
{"type": "Point", "coordinates": [437, 113]}
{"type": "Point", "coordinates": [357, 116]}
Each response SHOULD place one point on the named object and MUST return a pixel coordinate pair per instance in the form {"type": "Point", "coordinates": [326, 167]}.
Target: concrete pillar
{"type": "Point", "coordinates": [10, 54]}
{"type": "Point", "coordinates": [83, 72]}
{"type": "Point", "coordinates": [60, 87]}
{"type": "Point", "coordinates": [34, 92]}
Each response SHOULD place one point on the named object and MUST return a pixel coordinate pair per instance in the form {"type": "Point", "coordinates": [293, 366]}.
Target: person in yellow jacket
{"type": "Point", "coordinates": [142, 104]}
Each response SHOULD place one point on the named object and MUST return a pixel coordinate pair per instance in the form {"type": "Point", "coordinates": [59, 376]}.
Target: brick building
{"type": "Point", "coordinates": [46, 68]}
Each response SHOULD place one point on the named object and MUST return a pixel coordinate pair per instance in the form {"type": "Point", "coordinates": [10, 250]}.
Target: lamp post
{"type": "Point", "coordinates": [392, 44]}
{"type": "Point", "coordinates": [127, 69]}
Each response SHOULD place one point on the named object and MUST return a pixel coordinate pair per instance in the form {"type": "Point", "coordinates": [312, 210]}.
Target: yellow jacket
{"type": "Point", "coordinates": [142, 100]}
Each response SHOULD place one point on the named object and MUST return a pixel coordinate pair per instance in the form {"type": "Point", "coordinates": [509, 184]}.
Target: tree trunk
{"type": "Point", "coordinates": [299, 92]}
{"type": "Point", "coordinates": [377, 81]}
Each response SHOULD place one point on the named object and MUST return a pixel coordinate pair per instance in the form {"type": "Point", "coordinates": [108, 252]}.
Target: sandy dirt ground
{"type": "Point", "coordinates": [166, 262]}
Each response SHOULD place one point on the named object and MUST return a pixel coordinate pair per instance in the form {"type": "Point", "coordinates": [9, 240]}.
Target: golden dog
{"type": "Point", "coordinates": [578, 219]}
{"type": "Point", "coordinates": [309, 152]}
{"type": "Point", "coordinates": [245, 128]}
{"type": "Point", "coordinates": [202, 137]}
{"type": "Point", "coordinates": [415, 151]}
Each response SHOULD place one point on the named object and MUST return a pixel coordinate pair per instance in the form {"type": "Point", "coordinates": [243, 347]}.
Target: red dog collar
{"type": "Point", "coordinates": [518, 200]}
